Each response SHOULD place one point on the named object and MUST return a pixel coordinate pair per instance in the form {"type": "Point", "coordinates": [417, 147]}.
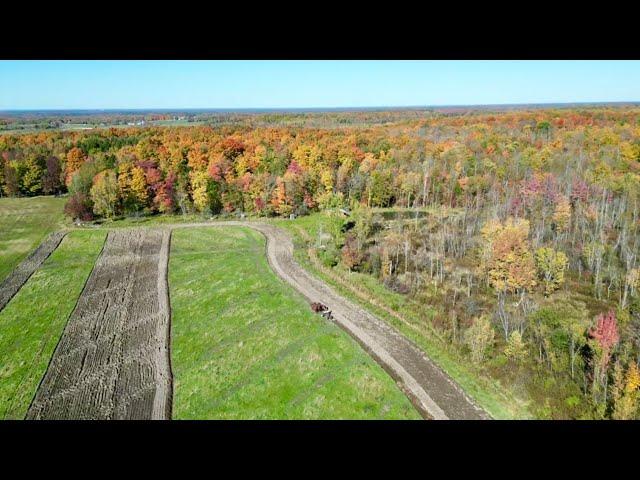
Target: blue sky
{"type": "Point", "coordinates": [300, 84]}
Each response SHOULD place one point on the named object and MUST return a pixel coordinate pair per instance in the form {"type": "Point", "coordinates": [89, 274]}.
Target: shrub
{"type": "Point", "coordinates": [329, 256]}
{"type": "Point", "coordinates": [479, 337]}
{"type": "Point", "coordinates": [351, 255]}
{"type": "Point", "coordinates": [395, 284]}
{"type": "Point", "coordinates": [515, 349]}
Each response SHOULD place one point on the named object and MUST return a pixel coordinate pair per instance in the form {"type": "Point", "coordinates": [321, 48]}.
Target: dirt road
{"type": "Point", "coordinates": [112, 361]}
{"type": "Point", "coordinates": [431, 390]}
{"type": "Point", "coordinates": [18, 277]}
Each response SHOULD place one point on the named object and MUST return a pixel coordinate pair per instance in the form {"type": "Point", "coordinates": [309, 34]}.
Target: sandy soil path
{"type": "Point", "coordinates": [112, 361]}
{"type": "Point", "coordinates": [431, 390]}
{"type": "Point", "coordinates": [18, 277]}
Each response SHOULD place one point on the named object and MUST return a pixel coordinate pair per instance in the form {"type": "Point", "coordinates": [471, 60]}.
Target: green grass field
{"type": "Point", "coordinates": [32, 322]}
{"type": "Point", "coordinates": [24, 223]}
{"type": "Point", "coordinates": [246, 346]}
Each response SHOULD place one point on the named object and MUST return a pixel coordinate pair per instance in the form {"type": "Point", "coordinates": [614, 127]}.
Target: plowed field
{"type": "Point", "coordinates": [112, 361]}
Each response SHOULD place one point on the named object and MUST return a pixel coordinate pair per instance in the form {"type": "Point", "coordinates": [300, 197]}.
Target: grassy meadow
{"type": "Point", "coordinates": [246, 346]}
{"type": "Point", "coordinates": [24, 223]}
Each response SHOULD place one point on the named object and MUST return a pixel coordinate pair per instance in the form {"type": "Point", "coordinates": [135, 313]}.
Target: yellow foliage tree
{"type": "Point", "coordinates": [551, 267]}
{"type": "Point", "coordinates": [562, 214]}
{"type": "Point", "coordinates": [479, 337]}
{"type": "Point", "coordinates": [132, 184]}
{"type": "Point", "coordinates": [510, 264]}
{"type": "Point", "coordinates": [124, 178]}
{"type": "Point", "coordinates": [104, 193]}
{"type": "Point", "coordinates": [630, 151]}
{"type": "Point", "coordinates": [199, 190]}
{"type": "Point", "coordinates": [326, 179]}
{"type": "Point", "coordinates": [515, 349]}
{"type": "Point", "coordinates": [633, 278]}
{"type": "Point", "coordinates": [626, 393]}
{"type": "Point", "coordinates": [139, 186]}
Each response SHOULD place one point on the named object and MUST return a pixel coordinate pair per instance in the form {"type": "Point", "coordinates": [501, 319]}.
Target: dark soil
{"type": "Point", "coordinates": [112, 360]}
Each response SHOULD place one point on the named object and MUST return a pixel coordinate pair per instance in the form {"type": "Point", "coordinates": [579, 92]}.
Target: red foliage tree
{"type": "Point", "coordinates": [294, 168]}
{"type": "Point", "coordinates": [232, 147]}
{"type": "Point", "coordinates": [579, 191]}
{"type": "Point", "coordinates": [259, 204]}
{"type": "Point", "coordinates": [79, 207]}
{"type": "Point", "coordinates": [606, 335]}
{"type": "Point", "coordinates": [215, 172]}
{"type": "Point", "coordinates": [164, 199]}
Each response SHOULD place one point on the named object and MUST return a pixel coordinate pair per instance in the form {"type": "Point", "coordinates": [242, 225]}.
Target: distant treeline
{"type": "Point", "coordinates": [315, 118]}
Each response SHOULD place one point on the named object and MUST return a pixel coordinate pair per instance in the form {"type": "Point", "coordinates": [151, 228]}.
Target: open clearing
{"type": "Point", "coordinates": [112, 361]}
{"type": "Point", "coordinates": [31, 323]}
{"type": "Point", "coordinates": [24, 223]}
{"type": "Point", "coordinates": [245, 346]}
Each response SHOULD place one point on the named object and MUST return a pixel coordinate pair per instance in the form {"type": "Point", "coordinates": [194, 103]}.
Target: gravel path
{"type": "Point", "coordinates": [431, 390]}
{"type": "Point", "coordinates": [112, 361]}
{"type": "Point", "coordinates": [18, 277]}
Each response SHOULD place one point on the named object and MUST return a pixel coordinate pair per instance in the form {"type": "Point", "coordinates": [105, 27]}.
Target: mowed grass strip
{"type": "Point", "coordinates": [32, 322]}
{"type": "Point", "coordinates": [247, 346]}
{"type": "Point", "coordinates": [24, 223]}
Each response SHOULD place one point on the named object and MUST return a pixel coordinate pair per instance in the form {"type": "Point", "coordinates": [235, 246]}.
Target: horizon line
{"type": "Point", "coordinates": [308, 108]}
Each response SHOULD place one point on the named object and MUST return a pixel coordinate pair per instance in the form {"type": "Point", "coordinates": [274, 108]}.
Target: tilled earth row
{"type": "Point", "coordinates": [18, 277]}
{"type": "Point", "coordinates": [431, 390]}
{"type": "Point", "coordinates": [112, 361]}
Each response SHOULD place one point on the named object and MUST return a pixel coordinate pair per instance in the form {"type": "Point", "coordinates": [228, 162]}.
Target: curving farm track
{"type": "Point", "coordinates": [431, 390]}
{"type": "Point", "coordinates": [112, 361]}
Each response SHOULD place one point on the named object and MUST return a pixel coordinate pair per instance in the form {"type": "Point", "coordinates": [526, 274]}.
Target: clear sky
{"type": "Point", "coordinates": [300, 84]}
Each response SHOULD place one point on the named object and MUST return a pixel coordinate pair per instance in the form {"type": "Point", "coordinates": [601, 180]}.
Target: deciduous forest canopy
{"type": "Point", "coordinates": [519, 228]}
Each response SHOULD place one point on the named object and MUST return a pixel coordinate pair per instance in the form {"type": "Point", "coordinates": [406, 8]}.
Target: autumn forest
{"type": "Point", "coordinates": [515, 233]}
